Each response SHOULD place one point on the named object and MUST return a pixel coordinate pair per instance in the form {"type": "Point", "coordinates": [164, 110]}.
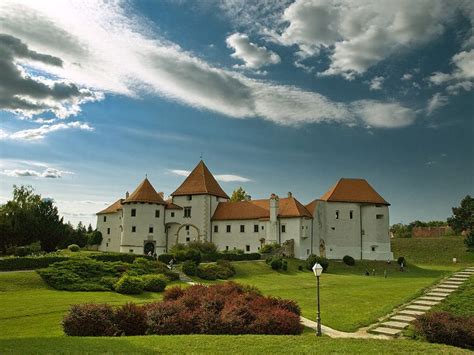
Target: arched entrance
{"type": "Point", "coordinates": [188, 227]}
{"type": "Point", "coordinates": [149, 247]}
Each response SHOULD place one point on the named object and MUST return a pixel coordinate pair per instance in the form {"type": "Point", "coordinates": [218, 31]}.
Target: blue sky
{"type": "Point", "coordinates": [276, 96]}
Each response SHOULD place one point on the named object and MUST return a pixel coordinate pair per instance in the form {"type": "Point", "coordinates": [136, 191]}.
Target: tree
{"type": "Point", "coordinates": [463, 216]}
{"type": "Point", "coordinates": [240, 195]}
{"type": "Point", "coordinates": [89, 228]}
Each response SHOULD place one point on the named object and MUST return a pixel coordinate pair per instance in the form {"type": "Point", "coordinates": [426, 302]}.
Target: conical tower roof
{"type": "Point", "coordinates": [145, 192]}
{"type": "Point", "coordinates": [200, 182]}
{"type": "Point", "coordinates": [353, 190]}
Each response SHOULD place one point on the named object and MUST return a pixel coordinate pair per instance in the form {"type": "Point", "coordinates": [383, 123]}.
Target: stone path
{"type": "Point", "coordinates": [402, 318]}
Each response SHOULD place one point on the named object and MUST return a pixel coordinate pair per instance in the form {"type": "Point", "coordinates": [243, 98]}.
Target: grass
{"type": "Point", "coordinates": [30, 308]}
{"type": "Point", "coordinates": [461, 301]}
{"type": "Point", "coordinates": [244, 344]}
{"type": "Point", "coordinates": [438, 251]}
{"type": "Point", "coordinates": [349, 299]}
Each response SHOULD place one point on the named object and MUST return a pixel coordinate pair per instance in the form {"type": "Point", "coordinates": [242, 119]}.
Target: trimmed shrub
{"type": "Point", "coordinates": [169, 317]}
{"type": "Point", "coordinates": [207, 272]}
{"type": "Point", "coordinates": [131, 319]}
{"type": "Point", "coordinates": [401, 260]}
{"type": "Point", "coordinates": [230, 256]}
{"type": "Point", "coordinates": [22, 251]}
{"type": "Point", "coordinates": [348, 260]}
{"type": "Point", "coordinates": [154, 283]}
{"type": "Point", "coordinates": [469, 240]}
{"type": "Point", "coordinates": [203, 247]}
{"type": "Point", "coordinates": [94, 238]}
{"type": "Point", "coordinates": [90, 320]}
{"type": "Point", "coordinates": [284, 265]}
{"type": "Point", "coordinates": [108, 282]}
{"type": "Point", "coordinates": [278, 322]}
{"type": "Point", "coordinates": [446, 328]}
{"type": "Point", "coordinates": [313, 259]}
{"type": "Point", "coordinates": [188, 254]}
{"type": "Point", "coordinates": [129, 285]}
{"type": "Point", "coordinates": [289, 305]}
{"type": "Point", "coordinates": [276, 263]}
{"type": "Point", "coordinates": [165, 258]}
{"type": "Point", "coordinates": [300, 267]}
{"type": "Point", "coordinates": [173, 293]}
{"type": "Point", "coordinates": [190, 268]}
{"type": "Point", "coordinates": [29, 262]}
{"type": "Point", "coordinates": [123, 257]}
{"type": "Point", "coordinates": [223, 270]}
{"type": "Point", "coordinates": [74, 248]}
{"type": "Point", "coordinates": [171, 275]}
{"type": "Point", "coordinates": [269, 248]}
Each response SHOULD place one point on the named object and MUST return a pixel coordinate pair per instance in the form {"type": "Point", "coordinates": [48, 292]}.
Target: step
{"type": "Point", "coordinates": [411, 312]}
{"type": "Point", "coordinates": [386, 331]}
{"type": "Point", "coordinates": [417, 307]}
{"type": "Point", "coordinates": [437, 294]}
{"type": "Point", "coordinates": [393, 324]}
{"type": "Point", "coordinates": [464, 275]}
{"type": "Point", "coordinates": [457, 279]}
{"type": "Point", "coordinates": [403, 318]}
{"type": "Point", "coordinates": [425, 303]}
{"type": "Point", "coordinates": [449, 282]}
{"type": "Point", "coordinates": [443, 290]}
{"type": "Point", "coordinates": [431, 298]}
{"type": "Point", "coordinates": [448, 286]}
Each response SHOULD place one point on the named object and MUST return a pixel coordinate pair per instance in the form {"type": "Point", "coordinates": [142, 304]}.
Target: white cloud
{"type": "Point", "coordinates": [360, 34]}
{"type": "Point", "coordinates": [407, 77]}
{"type": "Point", "coordinates": [48, 173]}
{"type": "Point", "coordinates": [436, 102]}
{"type": "Point", "coordinates": [107, 47]}
{"type": "Point", "coordinates": [221, 177]}
{"type": "Point", "coordinates": [462, 76]}
{"type": "Point", "coordinates": [35, 134]}
{"type": "Point", "coordinates": [376, 83]}
{"type": "Point", "coordinates": [253, 56]}
{"type": "Point", "coordinates": [389, 115]}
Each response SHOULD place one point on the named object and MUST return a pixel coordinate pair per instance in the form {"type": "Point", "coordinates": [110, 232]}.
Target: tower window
{"type": "Point", "coordinates": [172, 214]}
{"type": "Point", "coordinates": [134, 229]}
{"type": "Point", "coordinates": [242, 228]}
{"type": "Point", "coordinates": [133, 212]}
{"type": "Point", "coordinates": [283, 228]}
{"type": "Point", "coordinates": [247, 248]}
{"type": "Point", "coordinates": [379, 216]}
{"type": "Point", "coordinates": [351, 214]}
{"type": "Point", "coordinates": [189, 197]}
{"type": "Point", "coordinates": [105, 218]}
{"type": "Point", "coordinates": [337, 214]}
{"type": "Point", "coordinates": [150, 230]}
{"type": "Point", "coordinates": [108, 230]}
{"type": "Point", "coordinates": [187, 228]}
{"type": "Point", "coordinates": [157, 213]}
{"type": "Point", "coordinates": [187, 212]}
{"type": "Point", "coordinates": [255, 228]}
{"type": "Point", "coordinates": [216, 229]}
{"type": "Point", "coordinates": [228, 228]}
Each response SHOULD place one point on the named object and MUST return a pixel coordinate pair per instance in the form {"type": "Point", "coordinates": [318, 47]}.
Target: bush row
{"type": "Point", "coordinates": [29, 262]}
{"type": "Point", "coordinates": [313, 259]}
{"type": "Point", "coordinates": [227, 308]}
{"type": "Point", "coordinates": [230, 256]}
{"type": "Point", "coordinates": [446, 328]}
{"type": "Point", "coordinates": [222, 269]}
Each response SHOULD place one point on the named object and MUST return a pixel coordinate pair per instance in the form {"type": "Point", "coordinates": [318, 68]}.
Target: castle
{"type": "Point", "coordinates": [349, 219]}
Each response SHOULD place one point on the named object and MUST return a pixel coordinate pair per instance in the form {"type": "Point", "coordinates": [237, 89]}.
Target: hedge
{"type": "Point", "coordinates": [123, 257]}
{"type": "Point", "coordinates": [29, 263]}
{"type": "Point", "coordinates": [230, 256]}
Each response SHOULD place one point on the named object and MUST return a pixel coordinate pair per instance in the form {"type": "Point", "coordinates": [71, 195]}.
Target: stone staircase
{"type": "Point", "coordinates": [406, 314]}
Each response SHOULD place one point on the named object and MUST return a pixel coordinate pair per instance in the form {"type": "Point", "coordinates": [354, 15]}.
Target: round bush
{"type": "Point", "coordinates": [313, 259]}
{"type": "Point", "coordinates": [401, 260]}
{"type": "Point", "coordinates": [207, 272]}
{"type": "Point", "coordinates": [130, 319]}
{"type": "Point", "coordinates": [165, 258]}
{"type": "Point", "coordinates": [276, 263]}
{"type": "Point", "coordinates": [154, 283]}
{"type": "Point", "coordinates": [90, 320]}
{"type": "Point", "coordinates": [73, 247]}
{"type": "Point", "coordinates": [129, 285]}
{"type": "Point", "coordinates": [190, 268]}
{"type": "Point", "coordinates": [171, 275]}
{"type": "Point", "coordinates": [348, 260]}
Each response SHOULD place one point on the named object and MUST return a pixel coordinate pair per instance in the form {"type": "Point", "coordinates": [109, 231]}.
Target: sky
{"type": "Point", "coordinates": [275, 96]}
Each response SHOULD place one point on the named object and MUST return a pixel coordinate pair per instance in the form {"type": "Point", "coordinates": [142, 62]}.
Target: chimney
{"type": "Point", "coordinates": [274, 204]}
{"type": "Point", "coordinates": [127, 194]}
{"type": "Point", "coordinates": [290, 195]}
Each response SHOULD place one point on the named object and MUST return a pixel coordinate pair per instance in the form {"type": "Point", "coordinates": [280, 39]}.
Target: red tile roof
{"type": "Point", "coordinates": [171, 206]}
{"type": "Point", "coordinates": [145, 192]}
{"type": "Point", "coordinates": [259, 209]}
{"type": "Point", "coordinates": [114, 207]}
{"type": "Point", "coordinates": [312, 205]}
{"type": "Point", "coordinates": [200, 182]}
{"type": "Point", "coordinates": [353, 190]}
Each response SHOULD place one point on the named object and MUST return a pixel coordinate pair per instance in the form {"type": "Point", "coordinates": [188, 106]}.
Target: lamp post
{"type": "Point", "coordinates": [318, 270]}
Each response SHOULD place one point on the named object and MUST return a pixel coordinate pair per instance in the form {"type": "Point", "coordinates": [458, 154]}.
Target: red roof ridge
{"type": "Point", "coordinates": [113, 208]}
{"type": "Point", "coordinates": [355, 190]}
{"type": "Point", "coordinates": [145, 192]}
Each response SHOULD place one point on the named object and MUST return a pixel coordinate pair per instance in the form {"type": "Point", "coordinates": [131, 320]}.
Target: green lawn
{"type": "Point", "coordinates": [218, 344]}
{"type": "Point", "coordinates": [438, 251]}
{"type": "Point", "coordinates": [461, 301]}
{"type": "Point", "coordinates": [349, 299]}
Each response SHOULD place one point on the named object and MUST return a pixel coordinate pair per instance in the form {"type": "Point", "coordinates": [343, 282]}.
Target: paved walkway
{"type": "Point", "coordinates": [403, 316]}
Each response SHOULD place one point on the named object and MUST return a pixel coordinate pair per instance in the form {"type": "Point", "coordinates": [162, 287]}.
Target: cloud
{"type": "Point", "coordinates": [376, 83]}
{"type": "Point", "coordinates": [253, 56]}
{"type": "Point", "coordinates": [48, 173]}
{"type": "Point", "coordinates": [360, 34]}
{"type": "Point", "coordinates": [26, 94]}
{"type": "Point", "coordinates": [40, 133]}
{"type": "Point", "coordinates": [407, 77]}
{"type": "Point", "coordinates": [389, 115]}
{"type": "Point", "coordinates": [222, 177]}
{"type": "Point", "coordinates": [462, 76]}
{"type": "Point", "coordinates": [106, 47]}
{"type": "Point", "coordinates": [436, 102]}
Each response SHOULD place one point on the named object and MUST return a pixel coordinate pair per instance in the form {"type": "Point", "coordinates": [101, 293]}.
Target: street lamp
{"type": "Point", "coordinates": [318, 270]}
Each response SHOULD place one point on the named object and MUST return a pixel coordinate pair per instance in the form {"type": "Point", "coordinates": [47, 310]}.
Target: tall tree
{"type": "Point", "coordinates": [240, 195]}
{"type": "Point", "coordinates": [463, 216]}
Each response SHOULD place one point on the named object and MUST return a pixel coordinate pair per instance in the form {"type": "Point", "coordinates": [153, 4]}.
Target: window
{"type": "Point", "coordinates": [134, 229]}
{"type": "Point", "coordinates": [262, 228]}
{"type": "Point", "coordinates": [172, 214]}
{"type": "Point", "coordinates": [379, 216]}
{"type": "Point", "coordinates": [283, 228]}
{"type": "Point", "coordinates": [188, 239]}
{"type": "Point", "coordinates": [157, 213]}
{"type": "Point", "coordinates": [227, 248]}
{"type": "Point", "coordinates": [133, 212]}
{"type": "Point", "coordinates": [217, 199]}
{"type": "Point", "coordinates": [242, 228]}
{"type": "Point", "coordinates": [333, 228]}
{"type": "Point", "coordinates": [130, 250]}
{"type": "Point", "coordinates": [307, 251]}
{"type": "Point", "coordinates": [227, 228]}
{"type": "Point", "coordinates": [373, 248]}
{"type": "Point", "coordinates": [189, 197]}
{"type": "Point", "coordinates": [105, 218]}
{"type": "Point", "coordinates": [351, 214]}
{"type": "Point", "coordinates": [106, 244]}
{"type": "Point", "coordinates": [187, 212]}
{"type": "Point", "coordinates": [255, 228]}
{"type": "Point", "coordinates": [247, 248]}
{"type": "Point", "coordinates": [337, 214]}
{"type": "Point", "coordinates": [108, 240]}
{"type": "Point", "coordinates": [108, 230]}
{"type": "Point", "coordinates": [302, 227]}
{"type": "Point", "coordinates": [216, 229]}
{"type": "Point", "coordinates": [187, 228]}
{"type": "Point", "coordinates": [150, 230]}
